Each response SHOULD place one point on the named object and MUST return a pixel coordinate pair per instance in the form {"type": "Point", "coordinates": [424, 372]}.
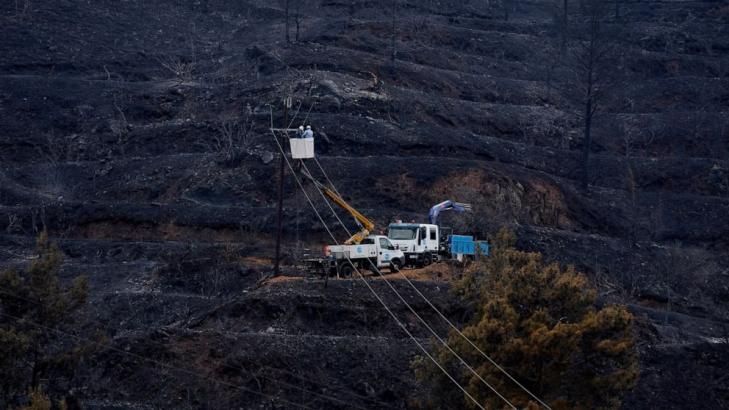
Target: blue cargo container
{"type": "Point", "coordinates": [464, 244]}
{"type": "Point", "coordinates": [484, 247]}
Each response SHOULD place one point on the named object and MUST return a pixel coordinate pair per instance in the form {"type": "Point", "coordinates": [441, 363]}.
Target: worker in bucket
{"type": "Point", "coordinates": [300, 132]}
{"type": "Point", "coordinates": [308, 133]}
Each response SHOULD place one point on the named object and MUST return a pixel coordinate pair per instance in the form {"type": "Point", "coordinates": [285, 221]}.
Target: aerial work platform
{"type": "Point", "coordinates": [302, 148]}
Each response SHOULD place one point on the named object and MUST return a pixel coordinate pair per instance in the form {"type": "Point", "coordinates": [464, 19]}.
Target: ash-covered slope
{"type": "Point", "coordinates": [137, 133]}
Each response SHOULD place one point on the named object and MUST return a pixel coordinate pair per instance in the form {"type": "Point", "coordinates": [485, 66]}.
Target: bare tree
{"type": "Point", "coordinates": [301, 8]}
{"type": "Point", "coordinates": [182, 69]}
{"type": "Point", "coordinates": [507, 6]}
{"type": "Point", "coordinates": [564, 25]}
{"type": "Point", "coordinates": [297, 20]}
{"type": "Point", "coordinates": [592, 65]}
{"type": "Point", "coordinates": [232, 136]}
{"type": "Point", "coordinates": [682, 269]}
{"type": "Point", "coordinates": [393, 33]}
{"type": "Point", "coordinates": [286, 7]}
{"type": "Point", "coordinates": [14, 224]}
{"type": "Point", "coordinates": [22, 8]}
{"type": "Point", "coordinates": [632, 188]}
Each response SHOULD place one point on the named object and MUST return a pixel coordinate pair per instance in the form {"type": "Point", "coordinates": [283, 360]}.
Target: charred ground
{"type": "Point", "coordinates": [116, 124]}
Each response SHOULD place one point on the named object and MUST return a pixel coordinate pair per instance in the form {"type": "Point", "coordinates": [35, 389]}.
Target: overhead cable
{"type": "Point", "coordinates": [377, 296]}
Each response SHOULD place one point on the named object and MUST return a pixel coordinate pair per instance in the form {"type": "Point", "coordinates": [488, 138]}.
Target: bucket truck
{"type": "Point", "coordinates": [361, 251]}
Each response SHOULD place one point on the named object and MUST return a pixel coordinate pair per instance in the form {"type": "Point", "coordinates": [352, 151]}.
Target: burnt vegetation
{"type": "Point", "coordinates": [135, 134]}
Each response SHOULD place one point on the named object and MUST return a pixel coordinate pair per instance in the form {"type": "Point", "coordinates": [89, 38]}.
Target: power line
{"type": "Point", "coordinates": [487, 357]}
{"type": "Point", "coordinates": [377, 296]}
{"type": "Point", "coordinates": [417, 315]}
{"type": "Point", "coordinates": [296, 114]}
{"type": "Point", "coordinates": [309, 112]}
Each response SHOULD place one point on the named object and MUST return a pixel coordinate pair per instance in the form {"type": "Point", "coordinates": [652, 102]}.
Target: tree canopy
{"type": "Point", "coordinates": [540, 322]}
{"type": "Point", "coordinates": [33, 305]}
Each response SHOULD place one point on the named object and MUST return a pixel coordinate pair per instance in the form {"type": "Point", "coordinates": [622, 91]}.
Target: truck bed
{"type": "Point", "coordinates": [353, 251]}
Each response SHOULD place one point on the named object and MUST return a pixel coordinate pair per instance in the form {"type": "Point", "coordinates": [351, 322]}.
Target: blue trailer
{"type": "Point", "coordinates": [466, 245]}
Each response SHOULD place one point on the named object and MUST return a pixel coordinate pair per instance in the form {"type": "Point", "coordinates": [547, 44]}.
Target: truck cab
{"type": "Point", "coordinates": [419, 242]}
{"type": "Point", "coordinates": [386, 250]}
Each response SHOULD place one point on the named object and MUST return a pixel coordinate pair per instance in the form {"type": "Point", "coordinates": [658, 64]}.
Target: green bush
{"type": "Point", "coordinates": [540, 323]}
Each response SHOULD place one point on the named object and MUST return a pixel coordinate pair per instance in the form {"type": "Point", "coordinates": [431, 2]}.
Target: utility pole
{"type": "Point", "coordinates": [282, 174]}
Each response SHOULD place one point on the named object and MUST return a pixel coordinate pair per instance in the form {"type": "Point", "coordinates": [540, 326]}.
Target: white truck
{"type": "Point", "coordinates": [341, 260]}
{"type": "Point", "coordinates": [424, 244]}
{"type": "Point", "coordinates": [361, 251]}
{"type": "Point", "coordinates": [421, 243]}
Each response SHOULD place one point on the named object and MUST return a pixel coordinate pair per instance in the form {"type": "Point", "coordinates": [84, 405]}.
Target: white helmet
{"type": "Point", "coordinates": [308, 127]}
{"type": "Point", "coordinates": [301, 127]}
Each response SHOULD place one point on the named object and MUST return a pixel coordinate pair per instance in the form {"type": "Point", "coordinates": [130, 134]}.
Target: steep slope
{"type": "Point", "coordinates": [137, 133]}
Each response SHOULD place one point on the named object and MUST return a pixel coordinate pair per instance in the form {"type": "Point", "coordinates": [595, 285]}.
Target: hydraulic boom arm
{"type": "Point", "coordinates": [365, 224]}
{"type": "Point", "coordinates": [447, 206]}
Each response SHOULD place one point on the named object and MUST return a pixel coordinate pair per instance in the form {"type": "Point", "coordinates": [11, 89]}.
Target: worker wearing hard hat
{"type": "Point", "coordinates": [308, 133]}
{"type": "Point", "coordinates": [300, 132]}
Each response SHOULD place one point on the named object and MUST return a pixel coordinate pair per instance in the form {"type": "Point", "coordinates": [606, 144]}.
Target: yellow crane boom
{"type": "Point", "coordinates": [365, 223]}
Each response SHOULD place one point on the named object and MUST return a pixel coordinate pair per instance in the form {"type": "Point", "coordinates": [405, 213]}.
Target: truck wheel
{"type": "Point", "coordinates": [346, 270]}
{"type": "Point", "coordinates": [427, 259]}
{"type": "Point", "coordinates": [395, 265]}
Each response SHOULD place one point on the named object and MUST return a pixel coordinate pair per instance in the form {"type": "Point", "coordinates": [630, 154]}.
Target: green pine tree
{"type": "Point", "coordinates": [33, 304]}
{"type": "Point", "coordinates": [539, 322]}
{"type": "Point", "coordinates": [38, 400]}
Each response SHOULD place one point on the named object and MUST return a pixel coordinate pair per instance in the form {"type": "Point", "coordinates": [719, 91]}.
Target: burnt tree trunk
{"type": "Point", "coordinates": [590, 66]}
{"type": "Point", "coordinates": [393, 33]}
{"type": "Point", "coordinates": [586, 144]}
{"type": "Point", "coordinates": [286, 12]}
{"type": "Point", "coordinates": [298, 26]}
{"type": "Point", "coordinates": [565, 24]}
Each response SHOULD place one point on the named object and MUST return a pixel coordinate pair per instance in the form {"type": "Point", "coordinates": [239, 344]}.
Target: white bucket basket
{"type": "Point", "coordinates": [302, 148]}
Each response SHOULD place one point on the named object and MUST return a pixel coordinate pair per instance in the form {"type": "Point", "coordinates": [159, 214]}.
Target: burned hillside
{"type": "Point", "coordinates": [138, 134]}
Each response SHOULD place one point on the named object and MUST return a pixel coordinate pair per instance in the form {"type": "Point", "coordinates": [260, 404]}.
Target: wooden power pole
{"type": "Point", "coordinates": [282, 174]}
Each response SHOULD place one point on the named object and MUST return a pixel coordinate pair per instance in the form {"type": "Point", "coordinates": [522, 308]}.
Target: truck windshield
{"type": "Point", "coordinates": [401, 233]}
